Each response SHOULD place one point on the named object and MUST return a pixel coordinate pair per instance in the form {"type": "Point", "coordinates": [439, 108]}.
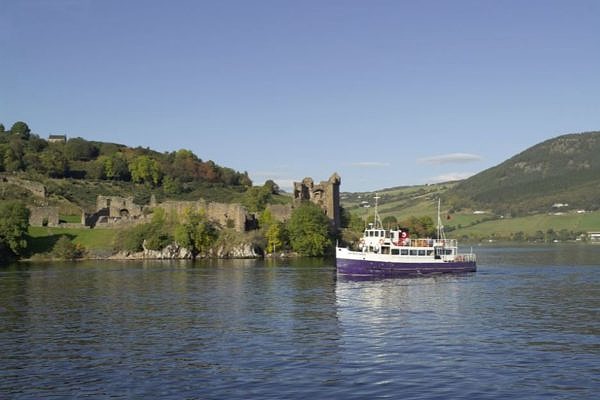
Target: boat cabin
{"type": "Point", "coordinates": [397, 242]}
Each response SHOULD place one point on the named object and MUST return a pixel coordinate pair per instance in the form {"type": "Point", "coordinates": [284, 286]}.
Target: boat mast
{"type": "Point", "coordinates": [376, 220]}
{"type": "Point", "coordinates": [440, 227]}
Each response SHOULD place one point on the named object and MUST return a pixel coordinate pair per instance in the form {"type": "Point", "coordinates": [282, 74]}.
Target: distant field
{"type": "Point", "coordinates": [406, 202]}
{"type": "Point", "coordinates": [95, 240]}
{"type": "Point", "coordinates": [529, 225]}
{"type": "Point", "coordinates": [401, 202]}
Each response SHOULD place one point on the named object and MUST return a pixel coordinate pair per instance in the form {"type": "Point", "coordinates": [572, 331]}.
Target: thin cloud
{"type": "Point", "coordinates": [455, 158]}
{"type": "Point", "coordinates": [370, 164]}
{"type": "Point", "coordinates": [285, 184]}
{"type": "Point", "coordinates": [451, 176]}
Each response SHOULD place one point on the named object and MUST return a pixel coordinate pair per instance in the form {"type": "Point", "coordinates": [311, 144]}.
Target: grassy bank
{"type": "Point", "coordinates": [95, 241]}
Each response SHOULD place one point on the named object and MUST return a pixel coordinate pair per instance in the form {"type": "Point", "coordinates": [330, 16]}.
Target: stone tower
{"type": "Point", "coordinates": [325, 194]}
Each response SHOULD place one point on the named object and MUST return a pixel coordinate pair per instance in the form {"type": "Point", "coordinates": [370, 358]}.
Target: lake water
{"type": "Point", "coordinates": [526, 325]}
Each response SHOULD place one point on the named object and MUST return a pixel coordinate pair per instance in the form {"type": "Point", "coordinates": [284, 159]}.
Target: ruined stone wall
{"type": "Point", "coordinates": [40, 216]}
{"type": "Point", "coordinates": [227, 215]}
{"type": "Point", "coordinates": [281, 212]}
{"type": "Point", "coordinates": [119, 207]}
{"type": "Point", "coordinates": [325, 194]}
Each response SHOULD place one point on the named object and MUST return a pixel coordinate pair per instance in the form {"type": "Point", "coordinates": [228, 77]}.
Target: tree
{"type": "Point", "coordinates": [14, 222]}
{"type": "Point", "coordinates": [116, 168]}
{"type": "Point", "coordinates": [274, 237]}
{"type": "Point", "coordinates": [271, 186]}
{"type": "Point", "coordinates": [419, 226]}
{"type": "Point", "coordinates": [2, 128]}
{"type": "Point", "coordinates": [145, 170]}
{"type": "Point", "coordinates": [256, 198]}
{"type": "Point", "coordinates": [64, 249]}
{"type": "Point", "coordinates": [13, 155]}
{"type": "Point", "coordinates": [308, 229]}
{"type": "Point", "coordinates": [172, 186]}
{"type": "Point", "coordinates": [197, 233]}
{"type": "Point", "coordinates": [185, 166]}
{"type": "Point", "coordinates": [78, 149]}
{"type": "Point", "coordinates": [54, 162]}
{"type": "Point", "coordinates": [20, 129]}
{"type": "Point", "coordinates": [245, 180]}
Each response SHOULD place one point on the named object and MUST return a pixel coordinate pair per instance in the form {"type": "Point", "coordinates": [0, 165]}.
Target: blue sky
{"type": "Point", "coordinates": [386, 93]}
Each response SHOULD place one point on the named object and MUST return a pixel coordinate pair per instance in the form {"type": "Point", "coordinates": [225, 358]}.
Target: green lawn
{"type": "Point", "coordinates": [72, 219]}
{"type": "Point", "coordinates": [42, 239]}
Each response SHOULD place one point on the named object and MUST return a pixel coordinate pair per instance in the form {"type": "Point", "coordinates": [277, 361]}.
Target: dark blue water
{"type": "Point", "coordinates": [526, 325]}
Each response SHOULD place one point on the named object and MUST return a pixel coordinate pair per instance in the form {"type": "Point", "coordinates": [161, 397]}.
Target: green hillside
{"type": "Point", "coordinates": [562, 170]}
{"type": "Point", "coordinates": [74, 171]}
{"type": "Point", "coordinates": [516, 200]}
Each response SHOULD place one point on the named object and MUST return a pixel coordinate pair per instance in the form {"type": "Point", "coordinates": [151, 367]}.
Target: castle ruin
{"type": "Point", "coordinates": [325, 194]}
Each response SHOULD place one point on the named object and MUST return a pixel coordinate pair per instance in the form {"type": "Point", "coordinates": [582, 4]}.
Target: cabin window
{"type": "Point", "coordinates": [395, 252]}
{"type": "Point", "coordinates": [413, 252]}
{"type": "Point", "coordinates": [421, 252]}
{"type": "Point", "coordinates": [371, 233]}
{"type": "Point", "coordinates": [404, 252]}
{"type": "Point", "coordinates": [376, 233]}
{"type": "Point", "coordinates": [429, 252]}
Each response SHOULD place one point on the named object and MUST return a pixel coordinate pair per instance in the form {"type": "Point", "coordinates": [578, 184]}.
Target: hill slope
{"type": "Point", "coordinates": [565, 169]}
{"type": "Point", "coordinates": [74, 171]}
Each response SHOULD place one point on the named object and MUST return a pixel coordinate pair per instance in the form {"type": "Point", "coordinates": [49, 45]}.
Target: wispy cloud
{"type": "Point", "coordinates": [370, 164]}
{"type": "Point", "coordinates": [455, 158]}
{"type": "Point", "coordinates": [285, 184]}
{"type": "Point", "coordinates": [280, 179]}
{"type": "Point", "coordinates": [450, 176]}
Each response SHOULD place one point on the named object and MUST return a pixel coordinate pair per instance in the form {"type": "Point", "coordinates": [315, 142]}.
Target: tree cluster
{"type": "Point", "coordinates": [14, 222]}
{"type": "Point", "coordinates": [308, 232]}
{"type": "Point", "coordinates": [21, 150]}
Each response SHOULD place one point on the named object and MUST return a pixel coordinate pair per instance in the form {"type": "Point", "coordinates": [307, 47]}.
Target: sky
{"type": "Point", "coordinates": [385, 93]}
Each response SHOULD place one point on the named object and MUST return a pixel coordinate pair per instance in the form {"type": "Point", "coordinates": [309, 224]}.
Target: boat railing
{"type": "Point", "coordinates": [428, 243]}
{"type": "Point", "coordinates": [469, 257]}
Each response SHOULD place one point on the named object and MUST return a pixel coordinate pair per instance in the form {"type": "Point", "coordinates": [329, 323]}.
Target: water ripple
{"type": "Point", "coordinates": [246, 329]}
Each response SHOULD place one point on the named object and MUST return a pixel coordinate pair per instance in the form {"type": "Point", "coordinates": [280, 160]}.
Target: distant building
{"type": "Point", "coordinates": [560, 205]}
{"type": "Point", "coordinates": [57, 138]}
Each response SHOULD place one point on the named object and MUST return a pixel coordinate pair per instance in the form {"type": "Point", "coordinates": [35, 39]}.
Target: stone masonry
{"type": "Point", "coordinates": [325, 194]}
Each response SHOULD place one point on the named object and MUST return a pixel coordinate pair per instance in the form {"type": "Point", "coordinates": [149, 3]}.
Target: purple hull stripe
{"type": "Point", "coordinates": [375, 268]}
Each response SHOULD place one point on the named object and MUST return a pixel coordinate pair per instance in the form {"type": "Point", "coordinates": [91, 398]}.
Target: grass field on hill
{"type": "Point", "coordinates": [417, 201]}
{"type": "Point", "coordinates": [529, 225]}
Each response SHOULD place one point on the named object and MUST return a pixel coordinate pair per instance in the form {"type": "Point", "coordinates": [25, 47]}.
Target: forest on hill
{"type": "Point", "coordinates": [79, 169]}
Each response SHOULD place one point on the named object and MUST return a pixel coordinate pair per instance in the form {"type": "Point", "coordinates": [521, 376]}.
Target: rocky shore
{"type": "Point", "coordinates": [177, 252]}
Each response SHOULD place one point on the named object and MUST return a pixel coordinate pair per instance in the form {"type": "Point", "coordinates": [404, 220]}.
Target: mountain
{"type": "Point", "coordinates": [562, 170]}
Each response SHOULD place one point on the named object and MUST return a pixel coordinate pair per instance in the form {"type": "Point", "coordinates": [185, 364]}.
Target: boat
{"type": "Point", "coordinates": [392, 252]}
